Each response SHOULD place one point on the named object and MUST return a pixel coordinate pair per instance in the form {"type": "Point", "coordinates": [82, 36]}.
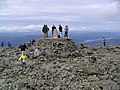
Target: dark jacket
{"type": "Point", "coordinates": [2, 43]}
{"type": "Point", "coordinates": [60, 28]}
{"type": "Point", "coordinates": [23, 47]}
{"type": "Point", "coordinates": [45, 29]}
{"type": "Point", "coordinates": [53, 27]}
{"type": "Point", "coordinates": [9, 44]}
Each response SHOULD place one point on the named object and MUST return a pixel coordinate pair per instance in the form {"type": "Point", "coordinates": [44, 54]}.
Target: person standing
{"type": "Point", "coordinates": [66, 31]}
{"type": "Point", "coordinates": [23, 58]}
{"type": "Point", "coordinates": [2, 44]}
{"type": "Point", "coordinates": [33, 41]}
{"type": "Point", "coordinates": [9, 44]}
{"type": "Point", "coordinates": [104, 41]}
{"type": "Point", "coordinates": [23, 47]}
{"type": "Point", "coordinates": [53, 28]}
{"type": "Point", "coordinates": [45, 30]}
{"type": "Point", "coordinates": [60, 30]}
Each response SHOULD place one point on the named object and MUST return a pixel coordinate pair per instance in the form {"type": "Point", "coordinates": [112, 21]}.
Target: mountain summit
{"type": "Point", "coordinates": [62, 66]}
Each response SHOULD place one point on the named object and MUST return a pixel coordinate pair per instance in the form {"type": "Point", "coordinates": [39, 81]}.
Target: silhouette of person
{"type": "Point", "coordinates": [23, 47]}
{"type": "Point", "coordinates": [60, 30]}
{"type": "Point", "coordinates": [9, 44]}
{"type": "Point", "coordinates": [45, 30]}
{"type": "Point", "coordinates": [66, 31]}
{"type": "Point", "coordinates": [2, 43]}
{"type": "Point", "coordinates": [104, 41]}
{"type": "Point", "coordinates": [33, 41]}
{"type": "Point", "coordinates": [53, 28]}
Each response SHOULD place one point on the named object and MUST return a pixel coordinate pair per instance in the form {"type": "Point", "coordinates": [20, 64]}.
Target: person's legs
{"type": "Point", "coordinates": [66, 33]}
{"type": "Point", "coordinates": [24, 64]}
{"type": "Point", "coordinates": [104, 43]}
{"type": "Point", "coordinates": [60, 34]}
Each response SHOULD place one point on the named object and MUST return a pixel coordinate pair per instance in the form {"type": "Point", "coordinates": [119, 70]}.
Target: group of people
{"type": "Point", "coordinates": [3, 44]}
{"type": "Point", "coordinates": [37, 51]}
{"type": "Point", "coordinates": [24, 57]}
{"type": "Point", "coordinates": [55, 33]}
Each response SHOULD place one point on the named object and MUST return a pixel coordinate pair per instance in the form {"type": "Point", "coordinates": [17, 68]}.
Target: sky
{"type": "Point", "coordinates": [81, 15]}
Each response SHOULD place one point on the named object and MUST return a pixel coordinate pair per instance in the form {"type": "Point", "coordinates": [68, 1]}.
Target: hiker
{"type": "Point", "coordinates": [60, 30]}
{"type": "Point", "coordinates": [104, 41]}
{"type": "Point", "coordinates": [23, 59]}
{"type": "Point", "coordinates": [23, 47]}
{"type": "Point", "coordinates": [9, 44]}
{"type": "Point", "coordinates": [37, 54]}
{"type": "Point", "coordinates": [45, 30]}
{"type": "Point", "coordinates": [53, 27]}
{"type": "Point", "coordinates": [33, 42]}
{"type": "Point", "coordinates": [2, 43]}
{"type": "Point", "coordinates": [66, 31]}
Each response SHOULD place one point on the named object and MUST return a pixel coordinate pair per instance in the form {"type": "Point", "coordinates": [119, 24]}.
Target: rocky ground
{"type": "Point", "coordinates": [62, 66]}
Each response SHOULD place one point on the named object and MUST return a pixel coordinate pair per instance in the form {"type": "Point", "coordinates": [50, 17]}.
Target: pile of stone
{"type": "Point", "coordinates": [57, 47]}
{"type": "Point", "coordinates": [85, 68]}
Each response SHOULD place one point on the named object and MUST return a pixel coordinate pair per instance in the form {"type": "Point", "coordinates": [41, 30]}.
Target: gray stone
{"type": "Point", "coordinates": [109, 85]}
{"type": "Point", "coordinates": [104, 77]}
{"type": "Point", "coordinates": [2, 81]}
{"type": "Point", "coordinates": [93, 78]}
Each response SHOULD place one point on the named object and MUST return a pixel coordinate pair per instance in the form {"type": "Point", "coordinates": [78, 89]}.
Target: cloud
{"type": "Point", "coordinates": [19, 28]}
{"type": "Point", "coordinates": [35, 28]}
{"type": "Point", "coordinates": [100, 26]}
{"type": "Point", "coordinates": [79, 13]}
{"type": "Point", "coordinates": [74, 8]}
{"type": "Point", "coordinates": [2, 4]}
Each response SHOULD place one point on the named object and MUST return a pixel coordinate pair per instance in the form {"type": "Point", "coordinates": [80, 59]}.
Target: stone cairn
{"type": "Point", "coordinates": [56, 47]}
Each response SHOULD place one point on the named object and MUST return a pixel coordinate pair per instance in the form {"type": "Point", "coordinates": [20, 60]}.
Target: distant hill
{"type": "Point", "coordinates": [25, 39]}
{"type": "Point", "coordinates": [91, 38]}
{"type": "Point", "coordinates": [94, 38]}
{"type": "Point", "coordinates": [110, 41]}
{"type": "Point", "coordinates": [19, 38]}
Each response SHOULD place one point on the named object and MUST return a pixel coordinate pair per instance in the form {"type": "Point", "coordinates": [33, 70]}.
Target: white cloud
{"type": "Point", "coordinates": [89, 13]}
{"type": "Point", "coordinates": [103, 26]}
{"type": "Point", "coordinates": [19, 28]}
{"type": "Point", "coordinates": [30, 28]}
{"type": "Point", "coordinates": [23, 8]}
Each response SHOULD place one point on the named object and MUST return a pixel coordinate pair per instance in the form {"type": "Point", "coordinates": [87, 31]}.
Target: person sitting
{"type": "Point", "coordinates": [37, 54]}
{"type": "Point", "coordinates": [23, 59]}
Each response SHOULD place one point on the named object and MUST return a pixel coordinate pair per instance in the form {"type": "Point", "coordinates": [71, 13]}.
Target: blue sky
{"type": "Point", "coordinates": [82, 15]}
